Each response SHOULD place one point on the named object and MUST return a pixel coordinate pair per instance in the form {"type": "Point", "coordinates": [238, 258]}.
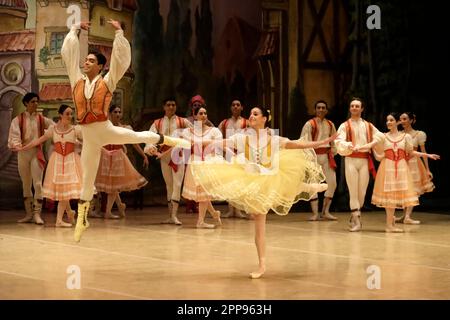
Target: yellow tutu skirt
{"type": "Point", "coordinates": [256, 189]}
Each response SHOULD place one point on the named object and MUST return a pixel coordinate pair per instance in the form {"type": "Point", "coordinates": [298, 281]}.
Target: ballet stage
{"type": "Point", "coordinates": [138, 258]}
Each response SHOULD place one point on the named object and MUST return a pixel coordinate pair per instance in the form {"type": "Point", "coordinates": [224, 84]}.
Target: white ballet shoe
{"type": "Point", "coordinates": [176, 221]}
{"type": "Point", "coordinates": [314, 217]}
{"type": "Point", "coordinates": [121, 209]}
{"type": "Point", "coordinates": [63, 224]}
{"type": "Point", "coordinates": [239, 214]}
{"type": "Point", "coordinates": [228, 214]}
{"type": "Point", "coordinates": [216, 217]}
{"type": "Point", "coordinates": [172, 220]}
{"type": "Point", "coordinates": [204, 225]}
{"type": "Point", "coordinates": [71, 216]}
{"type": "Point", "coordinates": [111, 216]}
{"type": "Point", "coordinates": [356, 222]}
{"type": "Point", "coordinates": [329, 216]}
{"type": "Point", "coordinates": [257, 274]}
{"type": "Point", "coordinates": [394, 230]}
{"type": "Point", "coordinates": [410, 221]}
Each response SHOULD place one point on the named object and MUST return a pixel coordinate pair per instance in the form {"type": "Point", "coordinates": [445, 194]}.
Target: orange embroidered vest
{"type": "Point", "coordinates": [94, 109]}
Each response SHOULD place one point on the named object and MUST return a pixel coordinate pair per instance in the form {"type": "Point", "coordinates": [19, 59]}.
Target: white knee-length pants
{"type": "Point", "coordinates": [95, 136]}
{"type": "Point", "coordinates": [30, 173]}
{"type": "Point", "coordinates": [330, 175]}
{"type": "Point", "coordinates": [173, 179]}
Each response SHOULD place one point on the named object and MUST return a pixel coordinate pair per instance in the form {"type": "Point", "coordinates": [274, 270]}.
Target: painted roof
{"type": "Point", "coordinates": [17, 41]}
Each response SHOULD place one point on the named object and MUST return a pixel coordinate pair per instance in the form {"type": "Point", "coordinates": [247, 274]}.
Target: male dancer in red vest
{"type": "Point", "coordinates": [229, 127]}
{"type": "Point", "coordinates": [92, 95]}
{"type": "Point", "coordinates": [26, 127]}
{"type": "Point", "coordinates": [320, 128]}
{"type": "Point", "coordinates": [356, 132]}
{"type": "Point", "coordinates": [173, 172]}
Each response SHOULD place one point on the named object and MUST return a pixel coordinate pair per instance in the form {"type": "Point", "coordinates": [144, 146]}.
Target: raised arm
{"type": "Point", "coordinates": [120, 57]}
{"type": "Point", "coordinates": [70, 53]}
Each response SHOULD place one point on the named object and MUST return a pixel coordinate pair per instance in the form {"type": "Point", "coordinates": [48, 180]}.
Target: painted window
{"type": "Point", "coordinates": [56, 42]}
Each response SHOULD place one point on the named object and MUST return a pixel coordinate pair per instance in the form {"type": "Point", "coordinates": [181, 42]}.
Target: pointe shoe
{"type": "Point", "coordinates": [228, 214]}
{"type": "Point", "coordinates": [71, 216]}
{"type": "Point", "coordinates": [394, 230]}
{"type": "Point", "coordinates": [356, 223]}
{"type": "Point", "coordinates": [205, 225]}
{"type": "Point", "coordinates": [95, 214]}
{"type": "Point", "coordinates": [172, 220]}
{"type": "Point", "coordinates": [121, 209]}
{"type": "Point", "coordinates": [399, 219]}
{"type": "Point", "coordinates": [410, 221]}
{"type": "Point", "coordinates": [239, 214]}
{"type": "Point", "coordinates": [329, 216]}
{"type": "Point", "coordinates": [37, 219]}
{"type": "Point", "coordinates": [257, 274]}
{"type": "Point", "coordinates": [82, 222]}
{"type": "Point", "coordinates": [314, 217]}
{"type": "Point", "coordinates": [111, 216]}
{"type": "Point", "coordinates": [63, 224]}
{"type": "Point", "coordinates": [216, 217]}
{"type": "Point", "coordinates": [176, 221]}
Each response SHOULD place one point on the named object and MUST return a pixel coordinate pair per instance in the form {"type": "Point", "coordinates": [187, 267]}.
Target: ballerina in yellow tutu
{"type": "Point", "coordinates": [268, 172]}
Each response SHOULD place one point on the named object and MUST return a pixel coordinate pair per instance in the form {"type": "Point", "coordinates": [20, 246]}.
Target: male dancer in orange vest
{"type": "Point", "coordinates": [26, 127]}
{"type": "Point", "coordinates": [320, 128]}
{"type": "Point", "coordinates": [173, 172]}
{"type": "Point", "coordinates": [356, 132]}
{"type": "Point", "coordinates": [92, 95]}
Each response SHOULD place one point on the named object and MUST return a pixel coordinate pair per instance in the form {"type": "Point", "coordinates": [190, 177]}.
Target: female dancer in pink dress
{"type": "Point", "coordinates": [418, 166]}
{"type": "Point", "coordinates": [116, 172]}
{"type": "Point", "coordinates": [394, 186]}
{"type": "Point", "coordinates": [63, 175]}
{"type": "Point", "coordinates": [191, 190]}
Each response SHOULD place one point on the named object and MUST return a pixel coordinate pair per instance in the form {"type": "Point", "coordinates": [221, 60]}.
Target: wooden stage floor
{"type": "Point", "coordinates": [138, 258]}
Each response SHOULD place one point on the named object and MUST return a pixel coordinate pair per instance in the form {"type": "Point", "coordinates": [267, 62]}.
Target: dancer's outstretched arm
{"type": "Point", "coordinates": [300, 144]}
{"type": "Point", "coordinates": [48, 134]}
{"type": "Point", "coordinates": [365, 147]}
{"type": "Point", "coordinates": [426, 155]}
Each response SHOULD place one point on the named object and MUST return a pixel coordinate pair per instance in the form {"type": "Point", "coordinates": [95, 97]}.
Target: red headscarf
{"type": "Point", "coordinates": [197, 98]}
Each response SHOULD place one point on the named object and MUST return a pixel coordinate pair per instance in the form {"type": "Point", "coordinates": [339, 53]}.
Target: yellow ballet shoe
{"type": "Point", "coordinates": [82, 222]}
